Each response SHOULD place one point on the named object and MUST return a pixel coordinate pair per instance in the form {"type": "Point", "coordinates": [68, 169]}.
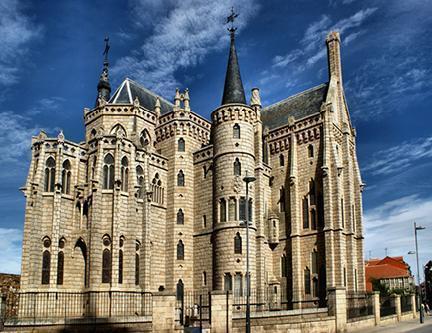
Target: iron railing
{"type": "Point", "coordinates": [70, 305]}
{"type": "Point", "coordinates": [194, 308]}
{"type": "Point", "coordinates": [359, 305]}
{"type": "Point", "coordinates": [387, 307]}
{"type": "Point", "coordinates": [406, 304]}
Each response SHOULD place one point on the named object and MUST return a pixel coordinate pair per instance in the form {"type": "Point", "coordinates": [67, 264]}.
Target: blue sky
{"type": "Point", "coordinates": [51, 58]}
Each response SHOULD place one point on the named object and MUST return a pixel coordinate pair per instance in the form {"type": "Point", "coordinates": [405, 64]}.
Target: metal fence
{"type": "Point", "coordinates": [406, 303]}
{"type": "Point", "coordinates": [70, 305]}
{"type": "Point", "coordinates": [387, 307]}
{"type": "Point", "coordinates": [359, 305]}
{"type": "Point", "coordinates": [194, 308]}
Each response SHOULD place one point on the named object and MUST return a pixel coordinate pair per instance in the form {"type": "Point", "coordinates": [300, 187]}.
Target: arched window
{"type": "Point", "coordinates": [180, 250]}
{"type": "Point", "coordinates": [180, 178]}
{"type": "Point", "coordinates": [118, 130]}
{"type": "Point", "coordinates": [237, 244]}
{"type": "Point", "coordinates": [314, 259]}
{"type": "Point", "coordinates": [227, 282]}
{"type": "Point", "coordinates": [145, 138]}
{"type": "Point", "coordinates": [120, 260]}
{"type": "Point", "coordinates": [312, 192]}
{"type": "Point", "coordinates": [46, 267]}
{"type": "Point", "coordinates": [222, 210]}
{"type": "Point", "coordinates": [180, 216]}
{"type": "Point", "coordinates": [236, 131]}
{"type": "Point", "coordinates": [93, 133]}
{"type": "Point", "coordinates": [281, 160]}
{"type": "Point", "coordinates": [313, 219]}
{"type": "Point", "coordinates": [66, 177]}
{"type": "Point", "coordinates": [49, 174]}
{"type": "Point", "coordinates": [108, 172]}
{"type": "Point", "coordinates": [242, 209]}
{"type": "Point", "coordinates": [124, 173]}
{"type": "Point", "coordinates": [307, 281]}
{"type": "Point", "coordinates": [250, 210]}
{"type": "Point", "coordinates": [305, 204]}
{"type": "Point", "coordinates": [60, 267]}
{"type": "Point", "coordinates": [106, 266]}
{"type": "Point", "coordinates": [204, 278]}
{"type": "Point", "coordinates": [310, 151]}
{"type": "Point", "coordinates": [137, 262]}
{"type": "Point", "coordinates": [181, 145]}
{"type": "Point", "coordinates": [157, 190]}
{"type": "Point", "coordinates": [282, 199]}
{"type": "Point", "coordinates": [140, 181]}
{"type": "Point", "coordinates": [315, 286]}
{"type": "Point", "coordinates": [232, 209]}
{"type": "Point", "coordinates": [237, 167]}
{"type": "Point", "coordinates": [179, 290]}
{"type": "Point", "coordinates": [238, 284]}
{"type": "Point", "coordinates": [284, 268]}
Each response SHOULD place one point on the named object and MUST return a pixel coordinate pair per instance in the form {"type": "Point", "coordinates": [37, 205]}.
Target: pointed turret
{"type": "Point", "coordinates": [233, 89]}
{"type": "Point", "coordinates": [104, 87]}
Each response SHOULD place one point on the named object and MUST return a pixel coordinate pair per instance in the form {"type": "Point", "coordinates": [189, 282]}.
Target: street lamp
{"type": "Point", "coordinates": [247, 180]}
{"type": "Point", "coordinates": [416, 228]}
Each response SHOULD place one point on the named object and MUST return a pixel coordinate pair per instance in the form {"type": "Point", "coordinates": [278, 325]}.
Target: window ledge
{"type": "Point", "coordinates": [47, 194]}
{"type": "Point", "coordinates": [107, 191]}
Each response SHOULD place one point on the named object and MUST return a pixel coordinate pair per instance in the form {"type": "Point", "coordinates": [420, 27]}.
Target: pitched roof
{"type": "Point", "coordinates": [298, 106]}
{"type": "Point", "coordinates": [233, 89]}
{"type": "Point", "coordinates": [129, 90]}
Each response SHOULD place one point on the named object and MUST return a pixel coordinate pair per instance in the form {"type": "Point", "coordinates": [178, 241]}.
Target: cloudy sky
{"type": "Point", "coordinates": [51, 57]}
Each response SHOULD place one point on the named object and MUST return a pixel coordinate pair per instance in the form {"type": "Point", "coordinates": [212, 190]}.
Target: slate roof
{"type": "Point", "coordinates": [299, 106]}
{"type": "Point", "coordinates": [233, 88]}
{"type": "Point", "coordinates": [128, 90]}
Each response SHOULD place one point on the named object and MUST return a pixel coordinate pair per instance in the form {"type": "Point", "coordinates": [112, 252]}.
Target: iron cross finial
{"type": "Point", "coordinates": [231, 19]}
{"type": "Point", "coordinates": [107, 47]}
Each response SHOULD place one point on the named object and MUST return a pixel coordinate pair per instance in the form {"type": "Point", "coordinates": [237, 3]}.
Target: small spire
{"type": "Point", "coordinates": [177, 98]}
{"type": "Point", "coordinates": [157, 107]}
{"type": "Point", "coordinates": [186, 100]}
{"type": "Point", "coordinates": [233, 89]}
{"type": "Point", "coordinates": [104, 87]}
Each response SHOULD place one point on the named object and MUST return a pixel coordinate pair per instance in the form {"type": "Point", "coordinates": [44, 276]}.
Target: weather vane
{"type": "Point", "coordinates": [107, 47]}
{"type": "Point", "coordinates": [231, 19]}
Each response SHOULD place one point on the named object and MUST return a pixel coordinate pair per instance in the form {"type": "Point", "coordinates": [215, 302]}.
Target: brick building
{"type": "Point", "coordinates": [153, 197]}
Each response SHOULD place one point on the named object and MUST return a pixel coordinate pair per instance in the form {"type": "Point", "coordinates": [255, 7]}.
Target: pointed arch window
{"type": "Point", "coordinates": [242, 209]}
{"type": "Point", "coordinates": [312, 192]}
{"type": "Point", "coordinates": [157, 190]}
{"type": "Point", "coordinates": [307, 281]}
{"type": "Point", "coordinates": [281, 160]}
{"type": "Point", "coordinates": [108, 172]}
{"type": "Point", "coordinates": [204, 278]}
{"type": "Point", "coordinates": [179, 290]}
{"type": "Point", "coordinates": [180, 250]}
{"type": "Point", "coordinates": [250, 210]}
{"type": "Point", "coordinates": [181, 146]}
{"type": "Point", "coordinates": [66, 177]}
{"type": "Point", "coordinates": [124, 173]}
{"type": "Point", "coordinates": [227, 282]}
{"type": "Point", "coordinates": [49, 174]}
{"type": "Point", "coordinates": [305, 203]}
{"type": "Point", "coordinates": [237, 244]}
{"type": "Point", "coordinates": [310, 151]}
{"type": "Point", "coordinates": [282, 199]}
{"type": "Point", "coordinates": [120, 260]}
{"type": "Point", "coordinates": [180, 178]}
{"type": "Point", "coordinates": [222, 210]}
{"type": "Point", "coordinates": [140, 181]}
{"type": "Point", "coordinates": [236, 131]}
{"type": "Point", "coordinates": [145, 138]}
{"type": "Point", "coordinates": [60, 267]}
{"type": "Point", "coordinates": [180, 216]}
{"type": "Point", "coordinates": [119, 131]}
{"type": "Point", "coordinates": [106, 266]}
{"type": "Point", "coordinates": [46, 267]}
{"type": "Point", "coordinates": [237, 167]}
{"type": "Point", "coordinates": [137, 262]}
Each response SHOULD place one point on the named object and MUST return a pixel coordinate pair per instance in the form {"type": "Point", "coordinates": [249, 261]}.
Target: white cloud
{"type": "Point", "coordinates": [184, 33]}
{"type": "Point", "coordinates": [17, 31]}
{"type": "Point", "coordinates": [312, 42]}
{"type": "Point", "coordinates": [10, 249]}
{"type": "Point", "coordinates": [46, 104]}
{"type": "Point", "coordinates": [390, 226]}
{"type": "Point", "coordinates": [15, 135]}
{"type": "Point", "coordinates": [398, 158]}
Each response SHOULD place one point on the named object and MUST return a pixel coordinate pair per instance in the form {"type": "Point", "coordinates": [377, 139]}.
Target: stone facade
{"type": "Point", "coordinates": [153, 198]}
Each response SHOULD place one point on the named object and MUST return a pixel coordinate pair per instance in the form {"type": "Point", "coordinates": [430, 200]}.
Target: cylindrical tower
{"type": "Point", "coordinates": [233, 159]}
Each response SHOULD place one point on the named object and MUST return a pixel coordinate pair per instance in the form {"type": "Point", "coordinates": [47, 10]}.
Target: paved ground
{"type": "Point", "coordinates": [410, 326]}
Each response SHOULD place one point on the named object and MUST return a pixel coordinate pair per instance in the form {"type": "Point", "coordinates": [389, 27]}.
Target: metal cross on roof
{"type": "Point", "coordinates": [107, 47]}
{"type": "Point", "coordinates": [231, 19]}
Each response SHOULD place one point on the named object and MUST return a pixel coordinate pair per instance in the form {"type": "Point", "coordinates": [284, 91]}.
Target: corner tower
{"type": "Point", "coordinates": [234, 158]}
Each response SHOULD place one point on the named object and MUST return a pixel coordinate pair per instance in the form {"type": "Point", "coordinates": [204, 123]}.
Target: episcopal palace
{"type": "Point", "coordinates": [154, 197]}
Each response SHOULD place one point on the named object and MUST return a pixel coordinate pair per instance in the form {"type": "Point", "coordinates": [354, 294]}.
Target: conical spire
{"type": "Point", "coordinates": [104, 87]}
{"type": "Point", "coordinates": [233, 89]}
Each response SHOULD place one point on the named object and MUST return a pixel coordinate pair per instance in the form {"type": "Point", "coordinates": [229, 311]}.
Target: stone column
{"type": "Point", "coordinates": [163, 312]}
{"type": "Point", "coordinates": [337, 307]}
{"type": "Point", "coordinates": [413, 305]}
{"type": "Point", "coordinates": [376, 307]}
{"type": "Point", "coordinates": [221, 311]}
{"type": "Point", "coordinates": [396, 299]}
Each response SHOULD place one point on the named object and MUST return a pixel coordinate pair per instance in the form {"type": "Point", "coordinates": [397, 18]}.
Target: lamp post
{"type": "Point", "coordinates": [247, 180]}
{"type": "Point", "coordinates": [416, 228]}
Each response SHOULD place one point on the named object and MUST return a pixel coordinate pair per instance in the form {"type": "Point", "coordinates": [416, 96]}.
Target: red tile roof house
{"type": "Point", "coordinates": [393, 272]}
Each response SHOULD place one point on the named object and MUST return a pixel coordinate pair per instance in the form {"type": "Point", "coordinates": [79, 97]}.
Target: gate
{"type": "Point", "coordinates": [194, 308]}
